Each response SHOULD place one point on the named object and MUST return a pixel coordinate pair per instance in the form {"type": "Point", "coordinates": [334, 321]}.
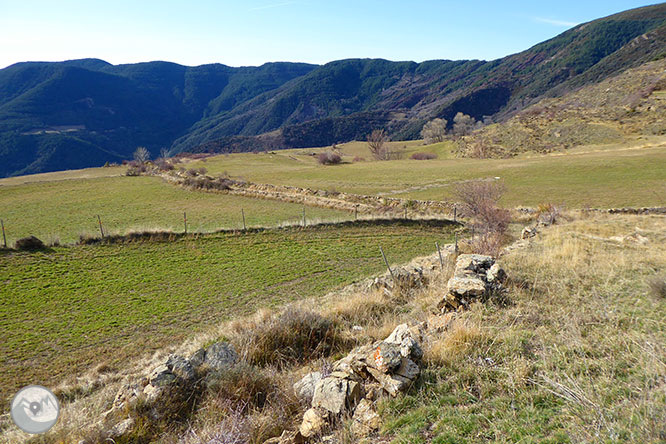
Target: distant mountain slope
{"type": "Point", "coordinates": [106, 111]}
{"type": "Point", "coordinates": [632, 103]}
{"type": "Point", "coordinates": [45, 108]}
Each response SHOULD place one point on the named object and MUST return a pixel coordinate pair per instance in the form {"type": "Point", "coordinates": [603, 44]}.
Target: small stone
{"type": "Point", "coordinates": [220, 356]}
{"type": "Point", "coordinates": [315, 421]}
{"type": "Point", "coordinates": [181, 367]}
{"type": "Point", "coordinates": [161, 376]}
{"type": "Point", "coordinates": [466, 286]}
{"type": "Point", "coordinates": [408, 369]}
{"type": "Point", "coordinates": [387, 357]}
{"type": "Point", "coordinates": [365, 419]}
{"type": "Point", "coordinates": [122, 428]}
{"type": "Point", "coordinates": [198, 358]}
{"type": "Point", "coordinates": [304, 388]}
{"type": "Point", "coordinates": [336, 395]}
{"type": "Point", "coordinates": [402, 336]}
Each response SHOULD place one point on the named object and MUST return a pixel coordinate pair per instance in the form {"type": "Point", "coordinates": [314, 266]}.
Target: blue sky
{"type": "Point", "coordinates": [253, 32]}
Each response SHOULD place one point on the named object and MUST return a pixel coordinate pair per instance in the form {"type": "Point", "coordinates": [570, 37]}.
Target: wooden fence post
{"type": "Point", "coordinates": [4, 239]}
{"type": "Point", "coordinates": [356, 212]}
{"type": "Point", "coordinates": [303, 214]}
{"type": "Point", "coordinates": [387, 264]}
{"type": "Point", "coordinates": [101, 229]}
{"type": "Point", "coordinates": [243, 213]}
{"type": "Point", "coordinates": [441, 261]}
{"type": "Point", "coordinates": [185, 221]}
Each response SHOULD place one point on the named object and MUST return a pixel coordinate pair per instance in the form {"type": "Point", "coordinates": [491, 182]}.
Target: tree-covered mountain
{"type": "Point", "coordinates": [86, 112]}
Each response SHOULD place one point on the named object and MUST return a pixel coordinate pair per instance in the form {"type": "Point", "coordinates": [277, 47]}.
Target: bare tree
{"type": "Point", "coordinates": [164, 153]}
{"type": "Point", "coordinates": [142, 155]}
{"type": "Point", "coordinates": [434, 131]}
{"type": "Point", "coordinates": [377, 143]}
{"type": "Point", "coordinates": [463, 124]}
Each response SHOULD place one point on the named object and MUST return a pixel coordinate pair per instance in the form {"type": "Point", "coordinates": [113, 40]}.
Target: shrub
{"type": "Point", "coordinates": [658, 286]}
{"type": "Point", "coordinates": [294, 335]}
{"type": "Point", "coordinates": [423, 156]}
{"type": "Point", "coordinates": [29, 244]}
{"type": "Point", "coordinates": [479, 200]}
{"type": "Point", "coordinates": [328, 158]}
{"type": "Point", "coordinates": [164, 165]}
{"type": "Point", "coordinates": [359, 159]}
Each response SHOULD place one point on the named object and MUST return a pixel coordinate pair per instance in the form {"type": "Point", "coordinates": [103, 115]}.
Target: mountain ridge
{"type": "Point", "coordinates": [103, 111]}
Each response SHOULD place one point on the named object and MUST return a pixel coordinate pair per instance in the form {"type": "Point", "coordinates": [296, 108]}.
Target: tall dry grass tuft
{"type": "Point", "coordinates": [454, 344]}
{"type": "Point", "coordinates": [291, 336]}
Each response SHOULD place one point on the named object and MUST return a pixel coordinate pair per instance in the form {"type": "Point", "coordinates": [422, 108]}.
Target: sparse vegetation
{"type": "Point", "coordinates": [328, 158]}
{"type": "Point", "coordinates": [434, 131]}
{"type": "Point", "coordinates": [141, 155]}
{"type": "Point", "coordinates": [489, 223]}
{"type": "Point", "coordinates": [423, 156]}
{"type": "Point", "coordinates": [377, 145]}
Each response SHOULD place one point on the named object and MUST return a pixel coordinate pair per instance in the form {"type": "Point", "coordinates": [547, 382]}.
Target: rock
{"type": "Point", "coordinates": [528, 232]}
{"type": "Point", "coordinates": [475, 276]}
{"type": "Point", "coordinates": [392, 384]}
{"type": "Point", "coordinates": [408, 369]}
{"type": "Point", "coordinates": [365, 419]}
{"type": "Point", "coordinates": [386, 357]}
{"type": "Point", "coordinates": [161, 376]}
{"type": "Point", "coordinates": [287, 437]}
{"type": "Point", "coordinates": [121, 429]}
{"type": "Point", "coordinates": [304, 388]}
{"type": "Point", "coordinates": [181, 367]}
{"type": "Point", "coordinates": [127, 395]}
{"type": "Point", "coordinates": [403, 337]}
{"type": "Point", "coordinates": [315, 421]}
{"type": "Point", "coordinates": [198, 357]}
{"type": "Point", "coordinates": [220, 356]}
{"type": "Point", "coordinates": [472, 264]}
{"type": "Point", "coordinates": [466, 286]}
{"type": "Point", "coordinates": [336, 395]}
{"type": "Point", "coordinates": [495, 275]}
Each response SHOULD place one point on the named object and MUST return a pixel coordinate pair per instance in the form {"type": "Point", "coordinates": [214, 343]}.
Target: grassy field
{"type": "Point", "coordinates": [65, 209]}
{"type": "Point", "coordinates": [629, 174]}
{"type": "Point", "coordinates": [70, 308]}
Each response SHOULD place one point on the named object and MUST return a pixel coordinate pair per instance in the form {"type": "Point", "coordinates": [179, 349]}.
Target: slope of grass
{"type": "Point", "coordinates": [577, 356]}
{"type": "Point", "coordinates": [67, 208]}
{"type": "Point", "coordinates": [628, 174]}
{"type": "Point", "coordinates": [70, 308]}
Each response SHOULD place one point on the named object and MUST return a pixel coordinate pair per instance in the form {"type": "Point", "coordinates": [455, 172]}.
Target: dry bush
{"type": "Point", "coordinates": [657, 285]}
{"type": "Point", "coordinates": [359, 159]}
{"type": "Point", "coordinates": [292, 336]}
{"type": "Point", "coordinates": [30, 243]}
{"type": "Point", "coordinates": [479, 200]}
{"type": "Point", "coordinates": [547, 213]}
{"type": "Point", "coordinates": [423, 156]}
{"type": "Point", "coordinates": [378, 145]}
{"type": "Point", "coordinates": [328, 158]}
{"type": "Point", "coordinates": [242, 386]}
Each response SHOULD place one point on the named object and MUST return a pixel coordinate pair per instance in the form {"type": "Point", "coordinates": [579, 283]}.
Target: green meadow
{"type": "Point", "coordinates": [70, 308]}
{"type": "Point", "coordinates": [65, 209]}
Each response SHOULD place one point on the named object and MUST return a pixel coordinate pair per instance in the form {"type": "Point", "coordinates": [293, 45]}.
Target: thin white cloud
{"type": "Point", "coordinates": [554, 22]}
{"type": "Point", "coordinates": [275, 5]}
